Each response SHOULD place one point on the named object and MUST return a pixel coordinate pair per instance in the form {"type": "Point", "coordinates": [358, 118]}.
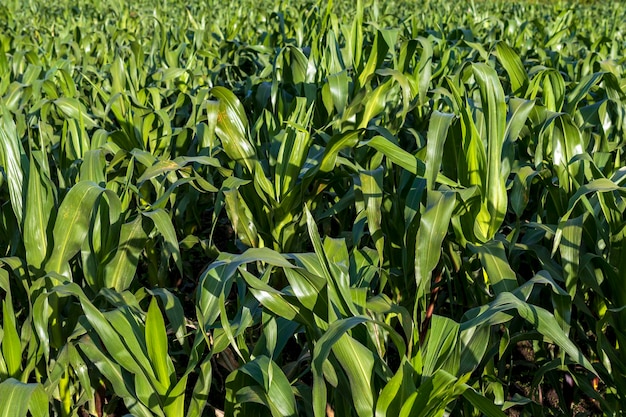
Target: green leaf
{"type": "Point", "coordinates": [240, 216]}
{"type": "Point", "coordinates": [320, 354]}
{"type": "Point", "coordinates": [437, 134]}
{"type": "Point", "coordinates": [514, 67]}
{"type": "Point", "coordinates": [271, 379]}
{"type": "Point", "coordinates": [119, 333]}
{"type": "Point", "coordinates": [74, 109]}
{"type": "Point", "coordinates": [232, 128]}
{"type": "Point", "coordinates": [173, 310]}
{"type": "Point", "coordinates": [335, 92]}
{"type": "Point", "coordinates": [72, 224]}
{"type": "Point", "coordinates": [376, 57]}
{"type": "Point", "coordinates": [486, 406]}
{"type": "Point", "coordinates": [601, 185]}
{"type": "Point", "coordinates": [375, 102]}
{"type": "Point", "coordinates": [432, 230]}
{"type": "Point", "coordinates": [120, 271]}
{"type": "Point", "coordinates": [156, 342]}
{"type": "Point", "coordinates": [540, 318]}
{"type": "Point", "coordinates": [396, 154]}
{"type": "Point", "coordinates": [200, 394]}
{"type": "Point", "coordinates": [424, 70]}
{"type": "Point", "coordinates": [358, 363]}
{"type": "Point", "coordinates": [372, 188]}
{"type": "Point", "coordinates": [570, 248]}
{"type": "Point", "coordinates": [160, 167]}
{"type": "Point", "coordinates": [433, 395]}
{"type": "Point", "coordinates": [272, 299]}
{"type": "Point", "coordinates": [164, 225]}
{"type": "Point", "coordinates": [114, 373]}
{"type": "Point", "coordinates": [336, 144]}
{"type": "Point", "coordinates": [441, 348]}
{"type": "Point", "coordinates": [496, 266]}
{"type": "Point", "coordinates": [213, 282]}
{"type": "Point", "coordinates": [93, 167]}
{"type": "Point", "coordinates": [13, 157]}
{"type": "Point", "coordinates": [396, 392]}
{"type": "Point", "coordinates": [18, 398]}
{"type": "Point", "coordinates": [11, 344]}
{"type": "Point", "coordinates": [494, 202]}
{"type": "Point", "coordinates": [294, 149]}
{"type": "Point", "coordinates": [39, 206]}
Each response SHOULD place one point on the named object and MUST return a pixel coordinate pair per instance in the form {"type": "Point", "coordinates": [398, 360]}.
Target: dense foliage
{"type": "Point", "coordinates": [304, 209]}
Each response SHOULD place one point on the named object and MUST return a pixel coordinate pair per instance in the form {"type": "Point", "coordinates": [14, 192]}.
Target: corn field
{"type": "Point", "coordinates": [269, 208]}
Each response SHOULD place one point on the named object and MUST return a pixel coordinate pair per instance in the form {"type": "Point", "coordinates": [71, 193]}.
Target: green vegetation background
{"type": "Point", "coordinates": [312, 208]}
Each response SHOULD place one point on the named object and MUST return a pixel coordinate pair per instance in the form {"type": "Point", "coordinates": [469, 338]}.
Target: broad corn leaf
{"type": "Point", "coordinates": [13, 159]}
{"type": "Point", "coordinates": [241, 217]}
{"type": "Point", "coordinates": [19, 398]}
{"type": "Point", "coordinates": [119, 334]}
{"type": "Point", "coordinates": [396, 392]}
{"type": "Point", "coordinates": [270, 378]}
{"type": "Point", "coordinates": [156, 341]}
{"type": "Point", "coordinates": [540, 318]}
{"type": "Point", "coordinates": [433, 228]}
{"type": "Point", "coordinates": [570, 252]}
{"type": "Point", "coordinates": [514, 67]}
{"type": "Point", "coordinates": [437, 134]}
{"type": "Point", "coordinates": [72, 224]}
{"type": "Point", "coordinates": [396, 154]}
{"type": "Point", "coordinates": [494, 204]}
{"type": "Point", "coordinates": [372, 188]}
{"type": "Point", "coordinates": [11, 344]}
{"type": "Point", "coordinates": [442, 348]}
{"type": "Point", "coordinates": [433, 395]}
{"type": "Point", "coordinates": [293, 149]}
{"type": "Point", "coordinates": [232, 128]}
{"type": "Point", "coordinates": [377, 55]}
{"type": "Point", "coordinates": [496, 267]}
{"type": "Point", "coordinates": [120, 271]}
{"type": "Point", "coordinates": [74, 109]}
{"type": "Point", "coordinates": [163, 224]}
{"type": "Point", "coordinates": [487, 407]}
{"type": "Point", "coordinates": [114, 373]}
{"type": "Point", "coordinates": [39, 206]}
{"type": "Point", "coordinates": [358, 363]}
{"type": "Point", "coordinates": [320, 354]}
{"type": "Point", "coordinates": [200, 394]}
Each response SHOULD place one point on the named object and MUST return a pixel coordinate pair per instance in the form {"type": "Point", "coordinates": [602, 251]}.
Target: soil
{"type": "Point", "coordinates": [524, 365]}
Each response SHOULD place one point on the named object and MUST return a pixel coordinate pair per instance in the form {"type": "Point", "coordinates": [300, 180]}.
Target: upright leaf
{"type": "Point", "coordinates": [232, 128]}
{"type": "Point", "coordinates": [72, 224]}
{"type": "Point", "coordinates": [156, 342]}
{"type": "Point", "coordinates": [437, 134]}
{"type": "Point", "coordinates": [164, 225]}
{"type": "Point", "coordinates": [433, 228]}
{"type": "Point", "coordinates": [120, 271]}
{"type": "Point", "coordinates": [13, 157]}
{"type": "Point", "coordinates": [494, 203]}
{"type": "Point", "coordinates": [39, 206]}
